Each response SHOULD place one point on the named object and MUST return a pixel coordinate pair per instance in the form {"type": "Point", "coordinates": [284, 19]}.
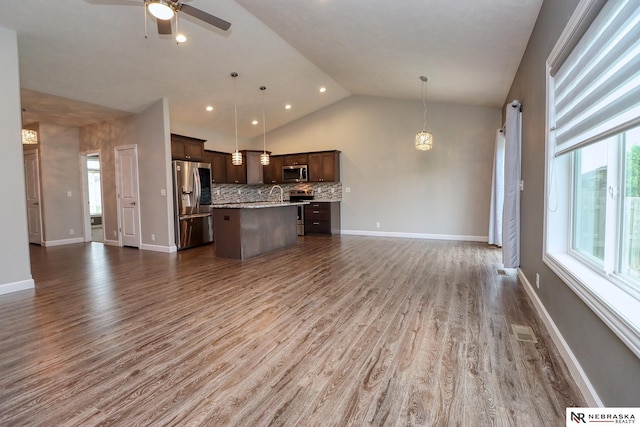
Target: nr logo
{"type": "Point", "coordinates": [577, 417]}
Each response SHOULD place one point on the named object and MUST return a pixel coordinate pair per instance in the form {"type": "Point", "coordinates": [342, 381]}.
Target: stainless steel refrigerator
{"type": "Point", "coordinates": [192, 200]}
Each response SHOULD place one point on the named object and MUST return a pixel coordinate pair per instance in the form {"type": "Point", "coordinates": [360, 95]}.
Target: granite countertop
{"type": "Point", "coordinates": [255, 205]}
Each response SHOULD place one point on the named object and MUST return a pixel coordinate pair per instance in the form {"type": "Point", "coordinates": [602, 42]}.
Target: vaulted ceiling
{"type": "Point", "coordinates": [79, 52]}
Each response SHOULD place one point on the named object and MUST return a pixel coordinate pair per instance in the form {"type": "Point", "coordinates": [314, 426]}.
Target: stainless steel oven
{"type": "Point", "coordinates": [298, 196]}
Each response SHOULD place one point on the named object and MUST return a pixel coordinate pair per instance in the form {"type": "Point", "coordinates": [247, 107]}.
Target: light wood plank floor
{"type": "Point", "coordinates": [337, 331]}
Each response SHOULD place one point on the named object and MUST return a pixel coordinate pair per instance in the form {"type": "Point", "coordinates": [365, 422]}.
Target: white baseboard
{"type": "Point", "coordinates": [62, 242]}
{"type": "Point", "coordinates": [111, 242]}
{"type": "Point", "coordinates": [16, 286]}
{"type": "Point", "coordinates": [456, 237]}
{"type": "Point", "coordinates": [157, 248]}
{"type": "Point", "coordinates": [578, 374]}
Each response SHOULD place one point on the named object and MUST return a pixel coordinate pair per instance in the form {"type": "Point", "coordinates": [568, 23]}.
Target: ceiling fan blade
{"type": "Point", "coordinates": [164, 26]}
{"type": "Point", "coordinates": [204, 16]}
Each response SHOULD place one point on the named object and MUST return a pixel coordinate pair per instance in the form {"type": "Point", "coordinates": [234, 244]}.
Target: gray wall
{"type": "Point", "coordinates": [216, 141]}
{"type": "Point", "coordinates": [15, 267]}
{"type": "Point", "coordinates": [60, 175]}
{"type": "Point", "coordinates": [612, 368]}
{"type": "Point", "coordinates": [443, 192]}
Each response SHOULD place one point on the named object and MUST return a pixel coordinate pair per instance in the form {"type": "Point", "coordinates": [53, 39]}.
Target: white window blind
{"type": "Point", "coordinates": [597, 88]}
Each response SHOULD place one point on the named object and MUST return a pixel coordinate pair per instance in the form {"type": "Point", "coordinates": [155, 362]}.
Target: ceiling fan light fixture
{"type": "Point", "coordinates": [161, 9]}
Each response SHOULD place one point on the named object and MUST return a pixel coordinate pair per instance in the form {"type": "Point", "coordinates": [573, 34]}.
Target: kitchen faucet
{"type": "Point", "coordinates": [281, 192]}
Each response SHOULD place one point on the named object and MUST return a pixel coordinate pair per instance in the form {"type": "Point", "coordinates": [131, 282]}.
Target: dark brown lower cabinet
{"type": "Point", "coordinates": [322, 218]}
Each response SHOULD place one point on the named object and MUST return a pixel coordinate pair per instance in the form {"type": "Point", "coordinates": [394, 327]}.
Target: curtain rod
{"type": "Point", "coordinates": [515, 104]}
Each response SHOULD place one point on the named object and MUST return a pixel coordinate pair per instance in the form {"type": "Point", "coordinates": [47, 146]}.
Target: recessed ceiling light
{"type": "Point", "coordinates": [209, 108]}
{"type": "Point", "coordinates": [323, 89]}
{"type": "Point", "coordinates": [181, 38]}
{"type": "Point", "coordinates": [287, 107]}
{"type": "Point", "coordinates": [255, 122]}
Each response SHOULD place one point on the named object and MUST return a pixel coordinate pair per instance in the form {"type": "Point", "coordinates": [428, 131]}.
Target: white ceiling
{"type": "Point", "coordinates": [95, 51]}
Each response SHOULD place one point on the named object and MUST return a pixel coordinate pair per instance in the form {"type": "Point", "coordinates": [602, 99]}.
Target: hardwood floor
{"type": "Point", "coordinates": [337, 331]}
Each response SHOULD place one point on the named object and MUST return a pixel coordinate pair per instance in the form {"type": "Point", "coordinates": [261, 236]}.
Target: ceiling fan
{"type": "Point", "coordinates": [165, 10]}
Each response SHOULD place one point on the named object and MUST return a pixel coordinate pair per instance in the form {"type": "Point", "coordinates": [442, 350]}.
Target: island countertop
{"type": "Point", "coordinates": [256, 205]}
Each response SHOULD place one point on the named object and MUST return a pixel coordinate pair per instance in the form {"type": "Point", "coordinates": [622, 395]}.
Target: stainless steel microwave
{"type": "Point", "coordinates": [296, 173]}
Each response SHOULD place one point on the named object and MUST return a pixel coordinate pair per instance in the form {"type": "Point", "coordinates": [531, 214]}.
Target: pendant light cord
{"type": "Point", "coordinates": [424, 104]}
{"type": "Point", "coordinates": [235, 107]}
{"type": "Point", "coordinates": [264, 124]}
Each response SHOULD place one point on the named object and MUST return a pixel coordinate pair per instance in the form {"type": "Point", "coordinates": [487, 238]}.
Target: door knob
{"type": "Point", "coordinates": [133, 203]}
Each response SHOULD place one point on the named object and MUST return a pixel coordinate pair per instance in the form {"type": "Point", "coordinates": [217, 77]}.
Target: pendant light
{"type": "Point", "coordinates": [264, 157]}
{"type": "Point", "coordinates": [424, 139]}
{"type": "Point", "coordinates": [236, 158]}
{"type": "Point", "coordinates": [29, 136]}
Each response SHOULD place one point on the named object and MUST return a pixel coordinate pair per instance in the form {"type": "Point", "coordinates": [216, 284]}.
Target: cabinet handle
{"type": "Point", "coordinates": [316, 223]}
{"type": "Point", "coordinates": [316, 212]}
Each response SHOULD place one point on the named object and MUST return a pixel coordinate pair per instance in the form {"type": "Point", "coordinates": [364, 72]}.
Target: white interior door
{"type": "Point", "coordinates": [128, 206]}
{"type": "Point", "coordinates": [34, 206]}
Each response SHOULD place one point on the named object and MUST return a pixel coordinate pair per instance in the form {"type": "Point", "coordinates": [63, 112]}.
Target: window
{"type": "Point", "coordinates": [600, 170]}
{"type": "Point", "coordinates": [630, 229]}
{"type": "Point", "coordinates": [592, 200]}
{"type": "Point", "coordinates": [95, 193]}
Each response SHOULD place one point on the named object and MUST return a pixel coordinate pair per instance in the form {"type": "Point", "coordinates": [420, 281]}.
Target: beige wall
{"type": "Point", "coordinates": [61, 184]}
{"type": "Point", "coordinates": [444, 192]}
{"type": "Point", "coordinates": [610, 366]}
{"type": "Point", "coordinates": [15, 267]}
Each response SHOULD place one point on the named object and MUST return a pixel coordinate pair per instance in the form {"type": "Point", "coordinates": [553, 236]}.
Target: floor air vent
{"type": "Point", "coordinates": [524, 333]}
{"type": "Point", "coordinates": [501, 272]}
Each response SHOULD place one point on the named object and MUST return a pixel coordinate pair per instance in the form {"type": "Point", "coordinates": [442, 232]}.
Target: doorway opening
{"type": "Point", "coordinates": [94, 198]}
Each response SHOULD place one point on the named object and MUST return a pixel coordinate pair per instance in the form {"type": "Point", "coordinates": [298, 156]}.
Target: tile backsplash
{"type": "Point", "coordinates": [237, 193]}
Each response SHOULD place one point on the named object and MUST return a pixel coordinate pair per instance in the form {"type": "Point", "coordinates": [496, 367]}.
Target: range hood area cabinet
{"type": "Point", "coordinates": [250, 172]}
{"type": "Point", "coordinates": [187, 148]}
{"type": "Point", "coordinates": [323, 166]}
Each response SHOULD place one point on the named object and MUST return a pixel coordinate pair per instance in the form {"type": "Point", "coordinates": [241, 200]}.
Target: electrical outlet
{"type": "Point", "coordinates": [72, 231]}
{"type": "Point", "coordinates": [153, 237]}
{"type": "Point", "coordinates": [377, 225]}
{"type": "Point", "coordinates": [259, 191]}
{"type": "Point", "coordinates": [332, 190]}
{"type": "Point", "coordinates": [69, 193]}
{"type": "Point", "coordinates": [163, 192]}
{"type": "Point", "coordinates": [347, 189]}
{"type": "Point", "coordinates": [217, 192]}
{"type": "Point", "coordinates": [319, 190]}
{"type": "Point", "coordinates": [537, 281]}
{"type": "Point", "coordinates": [239, 191]}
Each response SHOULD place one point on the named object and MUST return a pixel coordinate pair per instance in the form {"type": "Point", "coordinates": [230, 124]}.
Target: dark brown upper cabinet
{"type": "Point", "coordinates": [324, 166]}
{"type": "Point", "coordinates": [187, 148]}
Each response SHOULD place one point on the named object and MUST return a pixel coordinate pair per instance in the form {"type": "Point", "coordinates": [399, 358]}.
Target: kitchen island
{"type": "Point", "coordinates": [244, 230]}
